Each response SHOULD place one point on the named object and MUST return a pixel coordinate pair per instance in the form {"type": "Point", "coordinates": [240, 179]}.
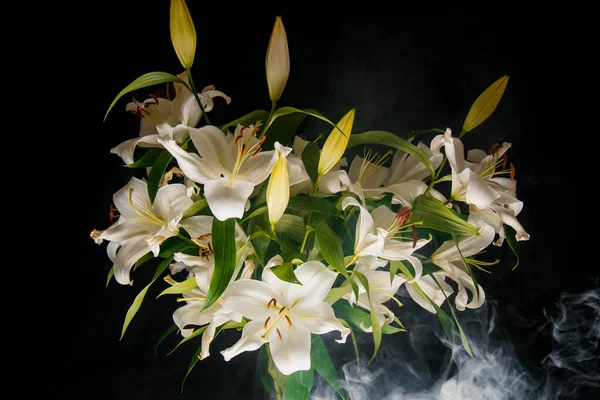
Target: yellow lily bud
{"type": "Point", "coordinates": [183, 33]}
{"type": "Point", "coordinates": [485, 104]}
{"type": "Point", "coordinates": [335, 145]}
{"type": "Point", "coordinates": [277, 63]}
{"type": "Point", "coordinates": [278, 191]}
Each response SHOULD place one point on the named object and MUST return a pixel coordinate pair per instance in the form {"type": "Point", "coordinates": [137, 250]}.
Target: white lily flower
{"type": "Point", "coordinates": [431, 289]}
{"type": "Point", "coordinates": [142, 227]}
{"type": "Point", "coordinates": [475, 182]}
{"type": "Point", "coordinates": [449, 259]}
{"type": "Point", "coordinates": [375, 236]}
{"type": "Point", "coordinates": [381, 289]}
{"type": "Point", "coordinates": [162, 117]}
{"type": "Point", "coordinates": [229, 166]}
{"type": "Point", "coordinates": [364, 174]}
{"type": "Point", "coordinates": [406, 167]}
{"type": "Point", "coordinates": [202, 268]}
{"type": "Point", "coordinates": [284, 314]}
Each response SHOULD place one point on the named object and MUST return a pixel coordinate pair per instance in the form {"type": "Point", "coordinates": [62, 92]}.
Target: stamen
{"type": "Point", "coordinates": [504, 160]}
{"type": "Point", "coordinates": [415, 236]}
{"type": "Point", "coordinates": [493, 148]}
{"type": "Point", "coordinates": [289, 321]}
{"type": "Point", "coordinates": [512, 172]}
{"type": "Point", "coordinates": [272, 301]}
{"type": "Point", "coordinates": [131, 282]}
{"type": "Point", "coordinates": [257, 151]}
{"type": "Point", "coordinates": [279, 334]}
{"type": "Point", "coordinates": [113, 212]}
{"type": "Point", "coordinates": [155, 97]}
{"type": "Point", "coordinates": [170, 280]}
{"type": "Point", "coordinates": [210, 248]}
{"type": "Point", "coordinates": [204, 236]}
{"type": "Point", "coordinates": [243, 149]}
{"type": "Point", "coordinates": [267, 322]}
{"type": "Point", "coordinates": [95, 234]}
{"type": "Point", "coordinates": [282, 308]}
{"type": "Point", "coordinates": [237, 139]}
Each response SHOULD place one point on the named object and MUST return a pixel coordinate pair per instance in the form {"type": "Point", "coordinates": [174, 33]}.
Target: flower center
{"type": "Point", "coordinates": [246, 148]}
{"type": "Point", "coordinates": [146, 215]}
{"type": "Point", "coordinates": [371, 163]}
{"type": "Point", "coordinates": [273, 321]}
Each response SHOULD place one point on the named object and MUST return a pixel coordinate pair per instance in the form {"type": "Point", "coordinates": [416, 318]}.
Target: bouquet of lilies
{"type": "Point", "coordinates": [283, 239]}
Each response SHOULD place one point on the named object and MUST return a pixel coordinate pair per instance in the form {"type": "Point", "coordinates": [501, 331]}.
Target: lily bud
{"type": "Point", "coordinates": [278, 191]}
{"type": "Point", "coordinates": [335, 145]}
{"type": "Point", "coordinates": [485, 104]}
{"type": "Point", "coordinates": [183, 33]}
{"type": "Point", "coordinates": [277, 63]}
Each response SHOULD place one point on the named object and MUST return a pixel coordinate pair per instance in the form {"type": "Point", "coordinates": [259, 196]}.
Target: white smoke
{"type": "Point", "coordinates": [409, 367]}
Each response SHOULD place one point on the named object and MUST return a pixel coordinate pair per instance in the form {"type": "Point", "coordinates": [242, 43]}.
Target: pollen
{"type": "Point", "coordinates": [282, 309]}
{"type": "Point", "coordinates": [289, 321]}
{"type": "Point", "coordinates": [267, 322]}
{"type": "Point", "coordinates": [512, 172]}
{"type": "Point", "coordinates": [272, 301]}
{"type": "Point", "coordinates": [279, 334]}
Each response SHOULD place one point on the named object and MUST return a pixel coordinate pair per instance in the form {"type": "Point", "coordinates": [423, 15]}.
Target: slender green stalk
{"type": "Point", "coordinates": [269, 120]}
{"type": "Point", "coordinates": [195, 93]}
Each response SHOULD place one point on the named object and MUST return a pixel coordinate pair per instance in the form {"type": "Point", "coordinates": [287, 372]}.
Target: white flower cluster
{"type": "Point", "coordinates": [284, 260]}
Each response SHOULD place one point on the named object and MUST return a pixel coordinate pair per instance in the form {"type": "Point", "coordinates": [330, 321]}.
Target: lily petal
{"type": "Point", "coordinates": [250, 297]}
{"type": "Point", "coordinates": [227, 199]}
{"type": "Point", "coordinates": [292, 352]}
{"type": "Point", "coordinates": [251, 340]}
{"type": "Point", "coordinates": [128, 254]}
{"type": "Point", "coordinates": [194, 167]}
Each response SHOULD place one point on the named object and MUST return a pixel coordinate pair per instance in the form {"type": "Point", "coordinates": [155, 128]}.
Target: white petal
{"type": "Point", "coordinates": [270, 278]}
{"type": "Point", "coordinates": [508, 217]}
{"type": "Point", "coordinates": [292, 353]}
{"type": "Point", "coordinates": [469, 245]}
{"type": "Point", "coordinates": [316, 281]}
{"type": "Point", "coordinates": [190, 113]}
{"type": "Point", "coordinates": [320, 319]}
{"type": "Point", "coordinates": [197, 225]}
{"type": "Point", "coordinates": [455, 151]}
{"type": "Point", "coordinates": [257, 168]}
{"type": "Point", "coordinates": [364, 237]}
{"type": "Point", "coordinates": [227, 200]}
{"type": "Point", "coordinates": [251, 340]}
{"type": "Point", "coordinates": [128, 254]}
{"type": "Point", "coordinates": [191, 314]}
{"type": "Point", "coordinates": [250, 298]}
{"type": "Point", "coordinates": [476, 155]}
{"type": "Point", "coordinates": [405, 193]}
{"type": "Point", "coordinates": [139, 198]}
{"type": "Point", "coordinates": [208, 335]}
{"type": "Point", "coordinates": [381, 288]}
{"type": "Point", "coordinates": [331, 182]}
{"type": "Point", "coordinates": [479, 193]}
{"type": "Point", "coordinates": [194, 167]}
{"type": "Point", "coordinates": [122, 232]}
{"type": "Point", "coordinates": [126, 149]}
{"type": "Point", "coordinates": [215, 148]}
{"type": "Point", "coordinates": [384, 218]}
{"type": "Point", "coordinates": [170, 203]}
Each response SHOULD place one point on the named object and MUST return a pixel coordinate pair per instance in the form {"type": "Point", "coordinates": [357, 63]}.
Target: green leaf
{"type": "Point", "coordinates": [149, 79]}
{"type": "Point", "coordinates": [463, 337]}
{"type": "Point", "coordinates": [310, 159]}
{"type": "Point", "coordinates": [193, 363]}
{"type": "Point", "coordinates": [195, 208]}
{"type": "Point", "coordinates": [181, 287]}
{"type": "Point", "coordinates": [255, 213]}
{"type": "Point", "coordinates": [374, 321]}
{"type": "Point", "coordinates": [285, 272]}
{"type": "Point", "coordinates": [283, 129]}
{"type": "Point", "coordinates": [337, 293]}
{"type": "Point", "coordinates": [299, 384]}
{"type": "Point", "coordinates": [248, 119]}
{"type": "Point", "coordinates": [196, 333]}
{"type": "Point", "coordinates": [292, 226]}
{"type": "Point", "coordinates": [331, 248]}
{"type": "Point", "coordinates": [466, 264]}
{"type": "Point", "coordinates": [436, 215]}
{"type": "Point", "coordinates": [111, 273]}
{"type": "Point", "coordinates": [156, 174]}
{"type": "Point", "coordinates": [145, 258]}
{"type": "Point", "coordinates": [147, 159]}
{"type": "Point", "coordinates": [320, 360]}
{"type": "Point", "coordinates": [316, 204]}
{"type": "Point", "coordinates": [173, 245]}
{"type": "Point", "coordinates": [290, 110]}
{"type": "Point", "coordinates": [137, 302]}
{"type": "Point", "coordinates": [389, 139]}
{"type": "Point", "coordinates": [511, 238]}
{"type": "Point", "coordinates": [166, 333]}
{"type": "Point", "coordinates": [223, 241]}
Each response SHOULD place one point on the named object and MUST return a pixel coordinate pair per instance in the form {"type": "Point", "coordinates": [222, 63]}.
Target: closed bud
{"type": "Point", "coordinates": [336, 143]}
{"type": "Point", "coordinates": [277, 63]}
{"type": "Point", "coordinates": [278, 191]}
{"type": "Point", "coordinates": [183, 33]}
{"type": "Point", "coordinates": [485, 104]}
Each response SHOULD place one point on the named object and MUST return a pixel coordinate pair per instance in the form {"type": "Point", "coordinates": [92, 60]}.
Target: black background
{"type": "Point", "coordinates": [402, 70]}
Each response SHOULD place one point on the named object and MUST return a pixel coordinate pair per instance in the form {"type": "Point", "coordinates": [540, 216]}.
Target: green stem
{"type": "Point", "coordinates": [306, 233]}
{"type": "Point", "coordinates": [269, 120]}
{"type": "Point", "coordinates": [277, 376]}
{"type": "Point", "coordinates": [195, 93]}
{"type": "Point", "coordinates": [180, 236]}
{"type": "Point", "coordinates": [462, 133]}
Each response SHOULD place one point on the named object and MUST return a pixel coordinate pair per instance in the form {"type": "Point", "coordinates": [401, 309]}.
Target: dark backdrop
{"type": "Point", "coordinates": [402, 71]}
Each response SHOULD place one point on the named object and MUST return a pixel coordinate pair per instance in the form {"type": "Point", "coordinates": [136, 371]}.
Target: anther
{"type": "Point", "coordinates": [257, 151]}
{"type": "Point", "coordinates": [113, 212]}
{"type": "Point", "coordinates": [267, 322]}
{"type": "Point", "coordinates": [243, 149]}
{"type": "Point", "coordinates": [155, 97]}
{"type": "Point", "coordinates": [504, 160]}
{"type": "Point", "coordinates": [210, 248]}
{"type": "Point", "coordinates": [204, 236]}
{"type": "Point", "coordinates": [237, 139]}
{"type": "Point", "coordinates": [289, 321]}
{"type": "Point", "coordinates": [282, 308]}
{"type": "Point", "coordinates": [493, 148]}
{"type": "Point", "coordinates": [272, 301]}
{"type": "Point", "coordinates": [512, 172]}
{"type": "Point", "coordinates": [279, 334]}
